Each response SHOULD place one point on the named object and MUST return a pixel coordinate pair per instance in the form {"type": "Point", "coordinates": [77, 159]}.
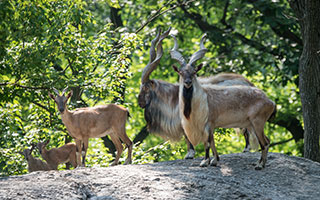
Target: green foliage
{"type": "Point", "coordinates": [52, 44]}
{"type": "Point", "coordinates": [45, 44]}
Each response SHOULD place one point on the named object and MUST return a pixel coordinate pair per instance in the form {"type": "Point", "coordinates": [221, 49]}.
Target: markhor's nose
{"type": "Point", "coordinates": [188, 82]}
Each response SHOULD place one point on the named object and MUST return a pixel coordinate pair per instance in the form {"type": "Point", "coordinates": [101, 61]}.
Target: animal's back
{"type": "Point", "coordinates": [37, 165]}
{"type": "Point", "coordinates": [98, 121]}
{"type": "Point", "coordinates": [234, 104]}
{"type": "Point", "coordinates": [226, 79]}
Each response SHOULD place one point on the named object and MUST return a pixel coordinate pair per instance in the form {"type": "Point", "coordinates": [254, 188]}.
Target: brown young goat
{"type": "Point", "coordinates": [160, 99]}
{"type": "Point", "coordinates": [206, 107]}
{"type": "Point", "coordinates": [94, 122]}
{"type": "Point", "coordinates": [56, 156]}
{"type": "Point", "coordinates": [34, 164]}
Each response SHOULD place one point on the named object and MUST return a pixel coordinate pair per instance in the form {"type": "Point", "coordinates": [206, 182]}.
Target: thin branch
{"type": "Point", "coordinates": [70, 65]}
{"type": "Point", "coordinates": [4, 84]}
{"type": "Point", "coordinates": [223, 19]}
{"type": "Point", "coordinates": [279, 29]}
{"type": "Point", "coordinates": [206, 27]}
{"type": "Point", "coordinates": [23, 86]}
{"type": "Point", "coordinates": [40, 105]}
{"type": "Point", "coordinates": [281, 142]}
{"type": "Point", "coordinates": [151, 18]}
{"type": "Point", "coordinates": [158, 13]}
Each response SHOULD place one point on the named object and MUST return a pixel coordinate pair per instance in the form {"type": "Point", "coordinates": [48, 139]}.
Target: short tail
{"type": "Point", "coordinates": [128, 115]}
{"type": "Point", "coordinates": [273, 115]}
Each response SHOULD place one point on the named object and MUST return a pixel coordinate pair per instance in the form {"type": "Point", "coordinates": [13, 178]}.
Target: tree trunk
{"type": "Point", "coordinates": [308, 13]}
{"type": "Point", "coordinates": [117, 21]}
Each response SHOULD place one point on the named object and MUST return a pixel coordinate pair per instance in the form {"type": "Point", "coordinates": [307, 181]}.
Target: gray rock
{"type": "Point", "coordinates": [285, 177]}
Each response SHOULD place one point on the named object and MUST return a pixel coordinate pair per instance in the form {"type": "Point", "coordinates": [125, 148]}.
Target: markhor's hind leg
{"type": "Point", "coordinates": [191, 152]}
{"type": "Point", "coordinates": [214, 162]}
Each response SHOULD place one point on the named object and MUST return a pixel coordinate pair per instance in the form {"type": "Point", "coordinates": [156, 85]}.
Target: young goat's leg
{"type": "Point", "coordinates": [78, 151]}
{"type": "Point", "coordinates": [73, 157]}
{"type": "Point", "coordinates": [84, 150]}
{"type": "Point", "coordinates": [258, 126]}
{"type": "Point", "coordinates": [246, 137]}
{"type": "Point", "coordinates": [119, 147]}
{"type": "Point", "coordinates": [128, 142]}
{"type": "Point", "coordinates": [191, 151]}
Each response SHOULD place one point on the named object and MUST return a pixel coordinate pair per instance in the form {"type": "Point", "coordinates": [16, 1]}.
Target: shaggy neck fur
{"type": "Point", "coordinates": [162, 113]}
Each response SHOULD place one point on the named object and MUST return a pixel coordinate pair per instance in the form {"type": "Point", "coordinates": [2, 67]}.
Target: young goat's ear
{"type": "Point", "coordinates": [51, 96]}
{"type": "Point", "coordinates": [70, 94]}
{"type": "Point", "coordinates": [47, 142]}
{"type": "Point", "coordinates": [199, 67]}
{"type": "Point", "coordinates": [176, 69]}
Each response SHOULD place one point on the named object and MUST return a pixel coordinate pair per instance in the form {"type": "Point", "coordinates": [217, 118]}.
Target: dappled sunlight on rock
{"type": "Point", "coordinates": [225, 170]}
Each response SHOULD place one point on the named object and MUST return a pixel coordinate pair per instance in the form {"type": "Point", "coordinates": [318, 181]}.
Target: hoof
{"type": "Point", "coordinates": [127, 162]}
{"type": "Point", "coordinates": [113, 164]}
{"type": "Point", "coordinates": [204, 163]}
{"type": "Point", "coordinates": [246, 150]}
{"type": "Point", "coordinates": [259, 167]}
{"type": "Point", "coordinates": [190, 155]}
{"type": "Point", "coordinates": [214, 162]}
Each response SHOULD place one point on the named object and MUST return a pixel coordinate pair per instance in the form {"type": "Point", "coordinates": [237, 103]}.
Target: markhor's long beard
{"type": "Point", "coordinates": [187, 98]}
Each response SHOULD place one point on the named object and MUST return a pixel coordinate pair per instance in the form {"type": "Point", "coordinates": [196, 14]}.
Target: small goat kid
{"type": "Point", "coordinates": [160, 99]}
{"type": "Point", "coordinates": [206, 107]}
{"type": "Point", "coordinates": [34, 164]}
{"type": "Point", "coordinates": [94, 122]}
{"type": "Point", "coordinates": [56, 156]}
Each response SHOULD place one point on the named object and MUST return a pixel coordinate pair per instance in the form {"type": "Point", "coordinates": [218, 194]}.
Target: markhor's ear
{"type": "Point", "coordinates": [176, 69]}
{"type": "Point", "coordinates": [199, 67]}
{"type": "Point", "coordinates": [152, 84]}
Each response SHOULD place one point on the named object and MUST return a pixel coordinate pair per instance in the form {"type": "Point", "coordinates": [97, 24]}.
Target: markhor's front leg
{"type": "Point", "coordinates": [206, 161]}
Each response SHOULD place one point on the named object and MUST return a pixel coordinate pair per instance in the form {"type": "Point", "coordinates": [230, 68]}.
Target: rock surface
{"type": "Point", "coordinates": [285, 177]}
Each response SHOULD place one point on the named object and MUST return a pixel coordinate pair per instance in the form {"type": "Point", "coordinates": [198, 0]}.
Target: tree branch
{"type": "Point", "coordinates": [141, 135]}
{"type": "Point", "coordinates": [291, 123]}
{"type": "Point", "coordinates": [155, 15]}
{"type": "Point", "coordinates": [23, 86]}
{"type": "Point", "coordinates": [223, 19]}
{"type": "Point", "coordinates": [149, 20]}
{"type": "Point", "coordinates": [279, 29]}
{"type": "Point", "coordinates": [212, 29]}
{"type": "Point", "coordinates": [41, 106]}
{"type": "Point", "coordinates": [281, 142]}
{"type": "Point", "coordinates": [115, 17]}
